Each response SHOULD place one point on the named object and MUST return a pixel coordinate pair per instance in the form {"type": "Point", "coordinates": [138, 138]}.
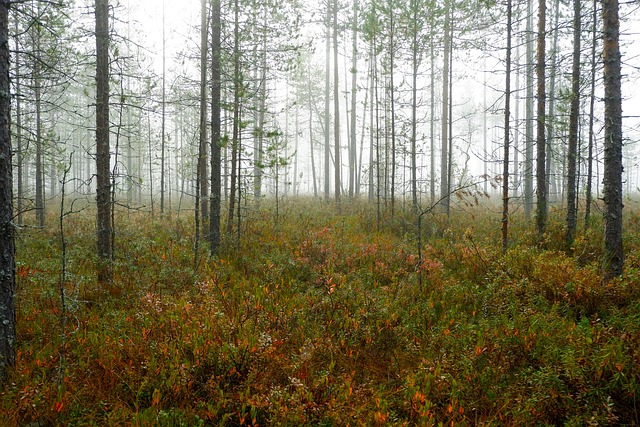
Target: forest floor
{"type": "Point", "coordinates": [319, 317]}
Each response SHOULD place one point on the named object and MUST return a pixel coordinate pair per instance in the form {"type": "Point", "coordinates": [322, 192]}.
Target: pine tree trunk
{"type": "Point", "coordinates": [572, 213]}
{"type": "Point", "coordinates": [336, 106]}
{"type": "Point", "coordinates": [432, 132]}
{"type": "Point", "coordinates": [612, 180]}
{"type": "Point", "coordinates": [541, 179]}
{"type": "Point", "coordinates": [327, 92]}
{"type": "Point", "coordinates": [354, 92]}
{"type": "Point", "coordinates": [507, 121]}
{"type": "Point", "coordinates": [392, 92]}
{"type": "Point", "coordinates": [37, 89]}
{"type": "Point", "coordinates": [203, 190]}
{"type": "Point", "coordinates": [444, 155]}
{"type": "Point", "coordinates": [163, 117]}
{"type": "Point", "coordinates": [7, 248]}
{"type": "Point", "coordinates": [19, 148]}
{"type": "Point", "coordinates": [236, 120]}
{"type": "Point", "coordinates": [529, 117]}
{"type": "Point", "coordinates": [103, 197]}
{"type": "Point", "coordinates": [216, 161]}
{"type": "Point", "coordinates": [592, 100]}
{"type": "Point", "coordinates": [414, 106]}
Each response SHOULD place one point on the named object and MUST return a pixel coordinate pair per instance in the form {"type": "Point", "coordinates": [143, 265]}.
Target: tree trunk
{"type": "Point", "coordinates": [572, 212]}
{"type": "Point", "coordinates": [327, 120]}
{"type": "Point", "coordinates": [444, 155]}
{"type": "Point", "coordinates": [336, 105]}
{"type": "Point", "coordinates": [507, 117]}
{"type": "Point", "coordinates": [203, 190]}
{"type": "Point", "coordinates": [612, 180]}
{"type": "Point", "coordinates": [592, 100]}
{"type": "Point", "coordinates": [392, 91]}
{"type": "Point", "coordinates": [103, 196]}
{"type": "Point", "coordinates": [541, 179]}
{"type": "Point", "coordinates": [19, 148]}
{"type": "Point", "coordinates": [7, 248]}
{"type": "Point", "coordinates": [259, 147]}
{"type": "Point", "coordinates": [354, 93]}
{"type": "Point", "coordinates": [163, 118]}
{"type": "Point", "coordinates": [311, 144]}
{"type": "Point", "coordinates": [216, 162]}
{"type": "Point", "coordinates": [432, 121]}
{"type": "Point", "coordinates": [528, 130]}
{"type": "Point", "coordinates": [414, 105]}
{"type": "Point", "coordinates": [551, 169]}
{"type": "Point", "coordinates": [236, 119]}
{"type": "Point", "coordinates": [37, 89]}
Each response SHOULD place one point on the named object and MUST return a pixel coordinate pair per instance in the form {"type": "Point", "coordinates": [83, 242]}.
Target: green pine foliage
{"type": "Point", "coordinates": [319, 320]}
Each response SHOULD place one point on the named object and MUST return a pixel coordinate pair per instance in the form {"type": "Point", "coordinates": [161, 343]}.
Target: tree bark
{"type": "Point", "coordinates": [202, 172]}
{"type": "Point", "coordinates": [414, 104]}
{"type": "Point", "coordinates": [336, 106]}
{"type": "Point", "coordinates": [7, 248]}
{"type": "Point", "coordinates": [103, 197]}
{"type": "Point", "coordinates": [163, 118]}
{"type": "Point", "coordinates": [236, 119]}
{"type": "Point", "coordinates": [216, 161]}
{"type": "Point", "coordinates": [327, 91]}
{"type": "Point", "coordinates": [572, 213]}
{"type": "Point", "coordinates": [354, 93]}
{"type": "Point", "coordinates": [507, 117]}
{"type": "Point", "coordinates": [541, 178]}
{"type": "Point", "coordinates": [592, 101]}
{"type": "Point", "coordinates": [528, 131]}
{"type": "Point", "coordinates": [612, 180]}
{"type": "Point", "coordinates": [444, 156]}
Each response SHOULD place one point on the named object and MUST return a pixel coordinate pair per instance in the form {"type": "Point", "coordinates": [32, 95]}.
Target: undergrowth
{"type": "Point", "coordinates": [320, 319]}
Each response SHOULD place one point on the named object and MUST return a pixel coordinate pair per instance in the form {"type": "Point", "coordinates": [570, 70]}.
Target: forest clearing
{"type": "Point", "coordinates": [317, 318]}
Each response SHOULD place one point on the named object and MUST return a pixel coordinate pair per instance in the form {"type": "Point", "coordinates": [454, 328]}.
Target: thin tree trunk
{"type": "Point", "coordinates": [572, 212]}
{"type": "Point", "coordinates": [507, 130]}
{"type": "Point", "coordinates": [327, 89]}
{"type": "Point", "coordinates": [551, 172]}
{"type": "Point", "coordinates": [203, 189]}
{"type": "Point", "coordinates": [372, 148]}
{"type": "Point", "coordinates": [444, 155]}
{"type": "Point", "coordinates": [216, 163]}
{"type": "Point", "coordinates": [592, 100]}
{"type": "Point", "coordinates": [37, 88]}
{"type": "Point", "coordinates": [541, 179]}
{"type": "Point", "coordinates": [414, 105]}
{"type": "Point", "coordinates": [7, 247]}
{"type": "Point", "coordinates": [19, 148]}
{"type": "Point", "coordinates": [162, 125]}
{"type": "Point", "coordinates": [354, 93]}
{"type": "Point", "coordinates": [529, 117]}
{"type": "Point", "coordinates": [103, 197]}
{"type": "Point", "coordinates": [236, 119]}
{"type": "Point", "coordinates": [259, 148]}
{"type": "Point", "coordinates": [336, 106]}
{"type": "Point", "coordinates": [392, 91]}
{"type": "Point", "coordinates": [432, 121]}
{"type": "Point", "coordinates": [612, 180]}
{"type": "Point", "coordinates": [311, 147]}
